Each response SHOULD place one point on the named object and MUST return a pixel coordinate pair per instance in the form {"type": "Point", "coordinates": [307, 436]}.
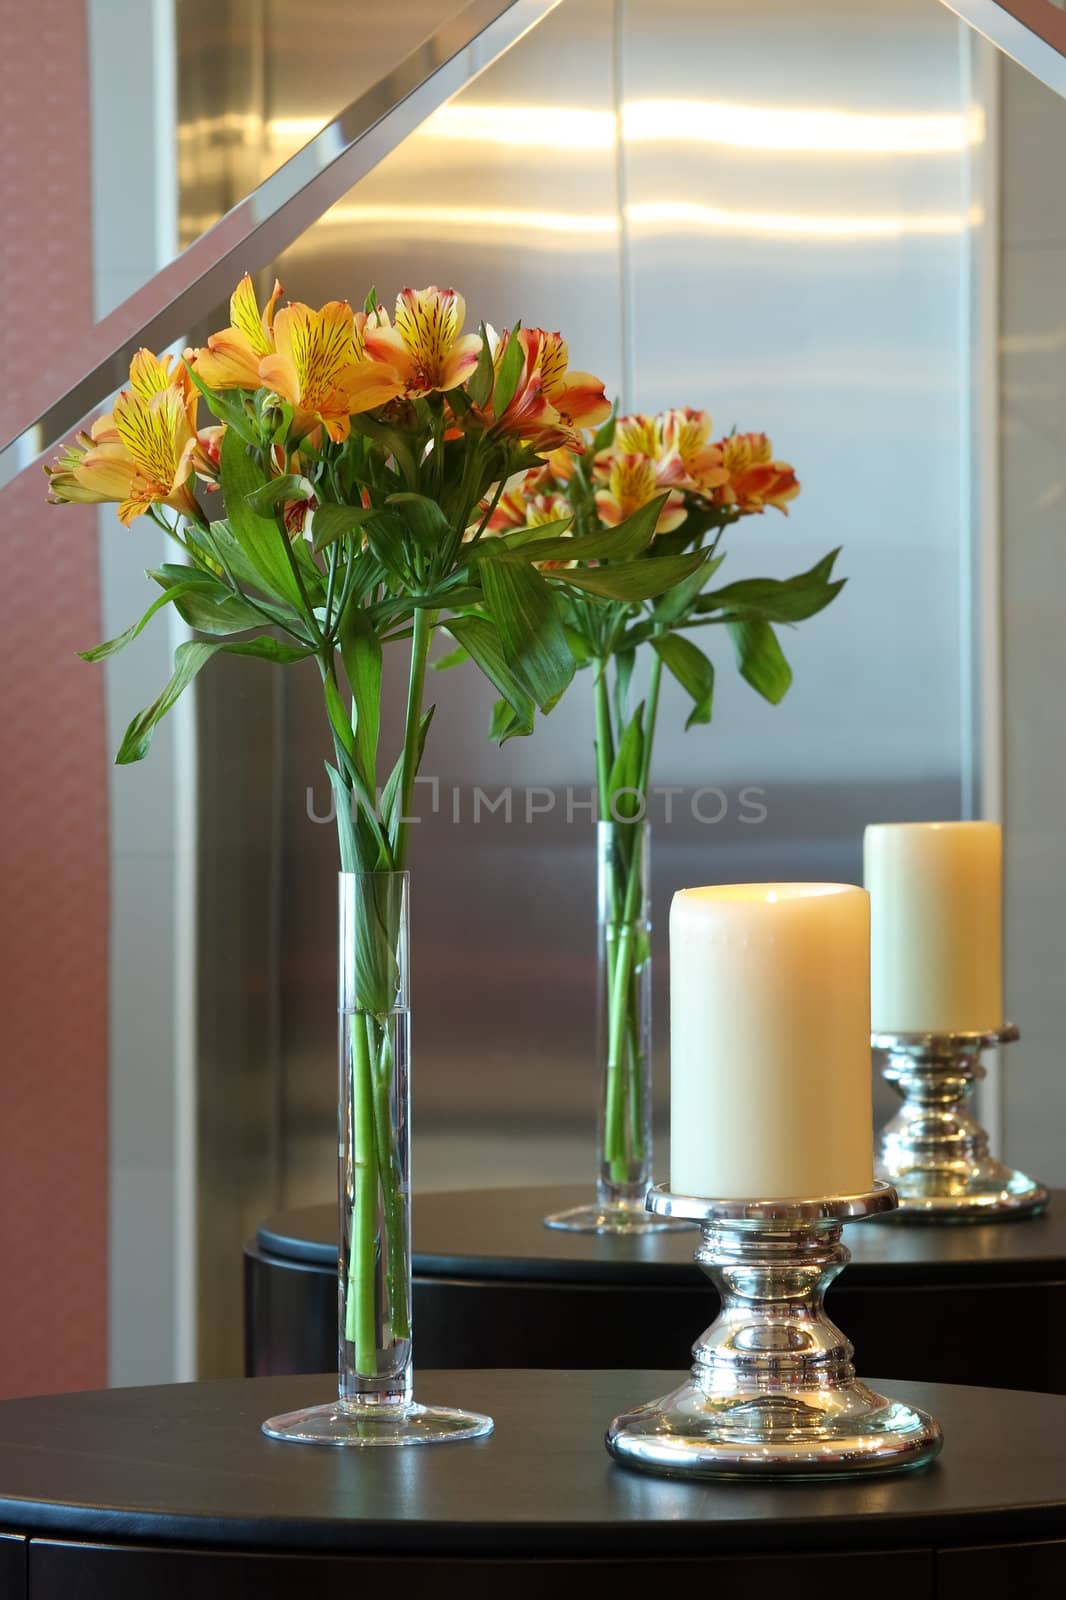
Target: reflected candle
{"type": "Point", "coordinates": [770, 1081]}
{"type": "Point", "coordinates": [936, 946]}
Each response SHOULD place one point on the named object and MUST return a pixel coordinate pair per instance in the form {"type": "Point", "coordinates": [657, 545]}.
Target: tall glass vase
{"type": "Point", "coordinates": [624, 1146]}
{"type": "Point", "coordinates": [375, 1403]}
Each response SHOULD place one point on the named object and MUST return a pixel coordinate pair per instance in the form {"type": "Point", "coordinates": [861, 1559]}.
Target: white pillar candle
{"type": "Point", "coordinates": [936, 946]}
{"type": "Point", "coordinates": [770, 1080]}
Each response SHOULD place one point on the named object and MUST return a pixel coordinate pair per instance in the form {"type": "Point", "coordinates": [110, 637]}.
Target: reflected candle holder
{"type": "Point", "coordinates": [933, 1151]}
{"type": "Point", "coordinates": [773, 1391]}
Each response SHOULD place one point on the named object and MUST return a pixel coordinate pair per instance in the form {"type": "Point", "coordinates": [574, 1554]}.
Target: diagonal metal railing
{"type": "Point", "coordinates": [1032, 32]}
{"type": "Point", "coordinates": [273, 215]}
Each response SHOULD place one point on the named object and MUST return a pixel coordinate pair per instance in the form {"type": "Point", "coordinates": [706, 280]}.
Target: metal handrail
{"type": "Point", "coordinates": [1031, 32]}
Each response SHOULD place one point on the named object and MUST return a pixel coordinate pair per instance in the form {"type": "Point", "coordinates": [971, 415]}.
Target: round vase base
{"type": "Point", "coordinates": [618, 1217]}
{"type": "Point", "coordinates": [358, 1426]}
{"type": "Point", "coordinates": [842, 1432]}
{"type": "Point", "coordinates": [986, 1192]}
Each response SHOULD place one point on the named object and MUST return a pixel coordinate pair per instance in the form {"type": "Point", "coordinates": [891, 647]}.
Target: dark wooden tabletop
{"type": "Point", "coordinates": [187, 1465]}
{"type": "Point", "coordinates": [500, 1233]}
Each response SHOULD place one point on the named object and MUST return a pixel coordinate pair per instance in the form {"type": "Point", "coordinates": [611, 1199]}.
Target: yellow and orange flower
{"type": "Point", "coordinates": [231, 359]}
{"type": "Point", "coordinates": [142, 453]}
{"type": "Point", "coordinates": [632, 482]}
{"type": "Point", "coordinates": [317, 367]}
{"type": "Point", "coordinates": [426, 346]}
{"type": "Point", "coordinates": [741, 472]}
{"type": "Point", "coordinates": [550, 404]}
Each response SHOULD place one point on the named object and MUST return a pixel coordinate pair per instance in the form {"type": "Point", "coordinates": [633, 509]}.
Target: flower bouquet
{"type": "Point", "coordinates": [336, 512]}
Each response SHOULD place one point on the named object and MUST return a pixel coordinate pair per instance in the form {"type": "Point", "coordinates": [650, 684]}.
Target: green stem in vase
{"type": "Point", "coordinates": [360, 1301]}
{"type": "Point", "coordinates": [392, 1198]}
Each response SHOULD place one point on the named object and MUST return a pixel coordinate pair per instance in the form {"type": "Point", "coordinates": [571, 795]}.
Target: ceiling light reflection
{"type": "Point", "coordinates": [784, 129]}
{"type": "Point", "coordinates": [668, 215]}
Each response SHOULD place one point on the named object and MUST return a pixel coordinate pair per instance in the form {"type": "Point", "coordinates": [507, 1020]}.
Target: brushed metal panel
{"type": "Point", "coordinates": [799, 246]}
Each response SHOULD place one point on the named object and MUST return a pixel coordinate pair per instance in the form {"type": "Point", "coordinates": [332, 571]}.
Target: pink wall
{"type": "Point", "coordinates": [53, 821]}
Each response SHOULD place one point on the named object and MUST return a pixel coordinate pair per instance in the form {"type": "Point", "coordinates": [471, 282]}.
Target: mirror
{"type": "Point", "coordinates": [779, 221]}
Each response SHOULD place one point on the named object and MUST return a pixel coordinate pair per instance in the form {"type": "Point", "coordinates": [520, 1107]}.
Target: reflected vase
{"type": "Point", "coordinates": [375, 1402]}
{"type": "Point", "coordinates": [624, 1142]}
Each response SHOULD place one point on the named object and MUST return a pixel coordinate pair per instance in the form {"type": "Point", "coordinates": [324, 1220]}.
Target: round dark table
{"type": "Point", "coordinates": [495, 1288]}
{"type": "Point", "coordinates": [174, 1491]}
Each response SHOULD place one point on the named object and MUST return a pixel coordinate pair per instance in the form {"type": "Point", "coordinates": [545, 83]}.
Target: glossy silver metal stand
{"type": "Point", "coordinates": [933, 1151]}
{"type": "Point", "coordinates": [773, 1391]}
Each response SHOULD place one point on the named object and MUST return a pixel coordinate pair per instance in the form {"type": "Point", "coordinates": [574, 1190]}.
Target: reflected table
{"type": "Point", "coordinates": [981, 1304]}
{"type": "Point", "coordinates": [172, 1492]}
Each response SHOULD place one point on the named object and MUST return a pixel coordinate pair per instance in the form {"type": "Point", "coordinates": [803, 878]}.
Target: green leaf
{"type": "Point", "coordinates": [624, 662]}
{"type": "Point", "coordinates": [339, 719]}
{"type": "Point", "coordinates": [206, 604]}
{"type": "Point", "coordinates": [482, 642]}
{"type": "Point", "coordinates": [761, 659]}
{"type": "Point", "coordinates": [330, 523]}
{"type": "Point", "coordinates": [371, 302]}
{"type": "Point", "coordinates": [633, 580]}
{"type": "Point", "coordinates": [504, 725]}
{"type": "Point", "coordinates": [346, 835]}
{"type": "Point", "coordinates": [454, 658]}
{"type": "Point", "coordinates": [111, 647]}
{"type": "Point", "coordinates": [531, 630]}
{"type": "Point", "coordinates": [388, 809]}
{"type": "Point", "coordinates": [519, 537]}
{"type": "Point", "coordinates": [480, 386]}
{"type": "Point", "coordinates": [778, 600]}
{"type": "Point", "coordinates": [422, 518]}
{"type": "Point", "coordinates": [676, 601]}
{"type": "Point", "coordinates": [223, 547]}
{"type": "Point", "coordinates": [290, 486]}
{"type": "Point", "coordinates": [629, 539]}
{"type": "Point", "coordinates": [579, 645]}
{"type": "Point", "coordinates": [510, 372]}
{"type": "Point", "coordinates": [625, 772]}
{"type": "Point", "coordinates": [189, 659]}
{"type": "Point", "coordinates": [228, 407]}
{"type": "Point", "coordinates": [693, 671]}
{"type": "Point", "coordinates": [267, 649]}
{"type": "Point", "coordinates": [260, 538]}
{"type": "Point", "coordinates": [361, 653]}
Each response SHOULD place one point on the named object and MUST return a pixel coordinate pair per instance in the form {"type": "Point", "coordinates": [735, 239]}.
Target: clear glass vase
{"type": "Point", "coordinates": [624, 1154]}
{"type": "Point", "coordinates": [375, 1403]}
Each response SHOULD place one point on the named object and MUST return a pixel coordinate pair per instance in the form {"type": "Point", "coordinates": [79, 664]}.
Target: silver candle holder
{"type": "Point", "coordinates": [933, 1151]}
{"type": "Point", "coordinates": [773, 1391]}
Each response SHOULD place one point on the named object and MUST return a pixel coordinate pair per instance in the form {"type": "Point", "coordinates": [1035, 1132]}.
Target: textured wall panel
{"type": "Point", "coordinates": [53, 826]}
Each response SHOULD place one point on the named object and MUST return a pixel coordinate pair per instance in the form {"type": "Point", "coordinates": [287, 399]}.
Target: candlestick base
{"type": "Point", "coordinates": [934, 1153]}
{"type": "Point", "coordinates": [773, 1391]}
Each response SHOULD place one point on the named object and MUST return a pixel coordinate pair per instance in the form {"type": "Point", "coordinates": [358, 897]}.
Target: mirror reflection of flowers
{"type": "Point", "coordinates": [695, 487]}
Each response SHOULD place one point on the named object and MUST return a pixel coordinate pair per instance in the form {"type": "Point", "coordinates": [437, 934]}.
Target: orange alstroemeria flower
{"type": "Point", "coordinates": [550, 404]}
{"type": "Point", "coordinates": [631, 483]}
{"type": "Point", "coordinates": [317, 368]}
{"type": "Point", "coordinates": [231, 359]}
{"type": "Point", "coordinates": [142, 453]}
{"type": "Point", "coordinates": [752, 478]}
{"type": "Point", "coordinates": [426, 346]}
